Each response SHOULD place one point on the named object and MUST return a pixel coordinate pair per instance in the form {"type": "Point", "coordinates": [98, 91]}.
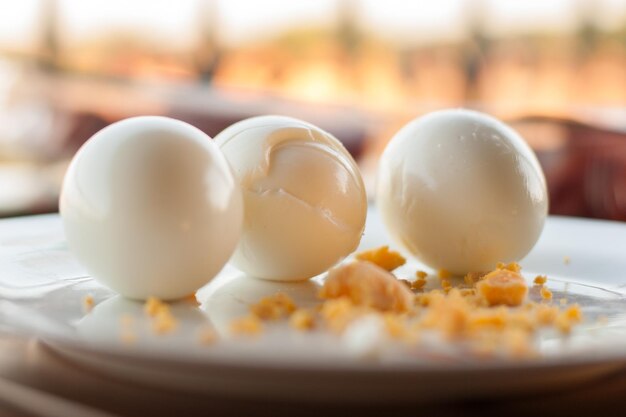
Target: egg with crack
{"type": "Point", "coordinates": [304, 199]}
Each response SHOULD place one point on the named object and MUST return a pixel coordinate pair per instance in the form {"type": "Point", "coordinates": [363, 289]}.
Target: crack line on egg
{"type": "Point", "coordinates": [323, 212]}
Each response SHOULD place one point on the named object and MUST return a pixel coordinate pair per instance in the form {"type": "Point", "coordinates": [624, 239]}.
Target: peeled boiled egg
{"type": "Point", "coordinates": [304, 199]}
{"type": "Point", "coordinates": [150, 207]}
{"type": "Point", "coordinates": [461, 191]}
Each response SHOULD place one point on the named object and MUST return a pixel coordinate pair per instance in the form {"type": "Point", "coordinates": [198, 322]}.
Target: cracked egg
{"type": "Point", "coordinates": [304, 199]}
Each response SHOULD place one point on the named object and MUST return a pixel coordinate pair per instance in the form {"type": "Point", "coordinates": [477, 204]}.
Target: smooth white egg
{"type": "Point", "coordinates": [304, 200]}
{"type": "Point", "coordinates": [461, 191]}
{"type": "Point", "coordinates": [151, 208]}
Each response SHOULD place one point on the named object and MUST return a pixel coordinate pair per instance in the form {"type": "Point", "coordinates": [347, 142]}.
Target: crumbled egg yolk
{"type": "Point", "coordinates": [446, 285]}
{"type": "Point", "coordinates": [443, 273]}
{"type": "Point", "coordinates": [302, 320]}
{"type": "Point", "coordinates": [546, 314]}
{"type": "Point", "coordinates": [489, 312]}
{"type": "Point", "coordinates": [512, 266]}
{"type": "Point", "coordinates": [368, 285]}
{"type": "Point", "coordinates": [383, 257]}
{"type": "Point", "coordinates": [153, 305]}
{"type": "Point", "coordinates": [503, 286]}
{"type": "Point", "coordinates": [546, 294]}
{"type": "Point", "coordinates": [88, 303]}
{"type": "Point", "coordinates": [540, 280]}
{"type": "Point", "coordinates": [164, 322]}
{"type": "Point", "coordinates": [418, 284]}
{"type": "Point", "coordinates": [274, 307]}
{"type": "Point", "coordinates": [395, 325]}
{"type": "Point", "coordinates": [471, 279]}
{"type": "Point", "coordinates": [573, 313]}
{"type": "Point", "coordinates": [162, 319]}
{"type": "Point", "coordinates": [248, 325]}
{"type": "Point", "coordinates": [338, 313]}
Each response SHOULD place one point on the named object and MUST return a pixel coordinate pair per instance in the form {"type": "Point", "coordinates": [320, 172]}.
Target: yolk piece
{"type": "Point", "coordinates": [512, 266]}
{"type": "Point", "coordinates": [247, 325]}
{"type": "Point", "coordinates": [302, 320]}
{"type": "Point", "coordinates": [273, 307]}
{"type": "Point", "coordinates": [366, 284]}
{"type": "Point", "coordinates": [503, 287]}
{"type": "Point", "coordinates": [383, 257]}
{"type": "Point", "coordinates": [546, 294]}
{"type": "Point", "coordinates": [444, 273]}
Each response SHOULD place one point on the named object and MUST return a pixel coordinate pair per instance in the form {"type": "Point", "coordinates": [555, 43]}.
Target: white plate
{"type": "Point", "coordinates": [42, 288]}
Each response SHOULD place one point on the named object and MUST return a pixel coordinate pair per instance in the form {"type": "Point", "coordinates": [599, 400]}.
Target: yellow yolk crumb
{"type": "Point", "coordinates": [512, 266]}
{"type": "Point", "coordinates": [273, 307]}
{"type": "Point", "coordinates": [153, 306]}
{"type": "Point", "coordinates": [540, 279]}
{"type": "Point", "coordinates": [418, 284]}
{"type": "Point", "coordinates": [478, 314]}
{"type": "Point", "coordinates": [448, 313]}
{"type": "Point", "coordinates": [488, 319]}
{"type": "Point", "coordinates": [563, 323]}
{"type": "Point", "coordinates": [573, 313]}
{"type": "Point", "coordinates": [383, 257]}
{"type": "Point", "coordinates": [471, 279]}
{"type": "Point", "coordinates": [517, 343]}
{"type": "Point", "coordinates": [88, 303]}
{"type": "Point", "coordinates": [164, 322]}
{"type": "Point", "coordinates": [546, 294]}
{"type": "Point", "coordinates": [421, 275]}
{"type": "Point", "coordinates": [394, 325]}
{"type": "Point", "coordinates": [566, 260]}
{"type": "Point", "coordinates": [337, 313]}
{"type": "Point", "coordinates": [503, 287]}
{"type": "Point", "coordinates": [368, 285]}
{"type": "Point", "coordinates": [443, 273]}
{"type": "Point", "coordinates": [247, 325]}
{"type": "Point", "coordinates": [545, 314]}
{"type": "Point", "coordinates": [467, 292]}
{"type": "Point", "coordinates": [207, 336]}
{"type": "Point", "coordinates": [302, 320]}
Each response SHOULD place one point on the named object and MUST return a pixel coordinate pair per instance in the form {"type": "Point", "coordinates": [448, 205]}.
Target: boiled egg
{"type": "Point", "coordinates": [304, 199]}
{"type": "Point", "coordinates": [150, 207]}
{"type": "Point", "coordinates": [461, 191]}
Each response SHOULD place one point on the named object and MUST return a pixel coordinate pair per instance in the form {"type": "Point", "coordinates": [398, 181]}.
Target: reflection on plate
{"type": "Point", "coordinates": [42, 288]}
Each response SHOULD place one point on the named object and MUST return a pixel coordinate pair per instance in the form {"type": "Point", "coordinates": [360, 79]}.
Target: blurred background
{"type": "Point", "coordinates": [554, 69]}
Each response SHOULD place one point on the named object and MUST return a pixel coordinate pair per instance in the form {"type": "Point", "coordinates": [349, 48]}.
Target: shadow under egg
{"type": "Point", "coordinates": [231, 298]}
{"type": "Point", "coordinates": [121, 321]}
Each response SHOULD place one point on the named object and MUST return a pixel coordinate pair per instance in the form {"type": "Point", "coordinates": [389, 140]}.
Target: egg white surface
{"type": "Point", "coordinates": [304, 198]}
{"type": "Point", "coordinates": [150, 207]}
{"type": "Point", "coordinates": [461, 191]}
